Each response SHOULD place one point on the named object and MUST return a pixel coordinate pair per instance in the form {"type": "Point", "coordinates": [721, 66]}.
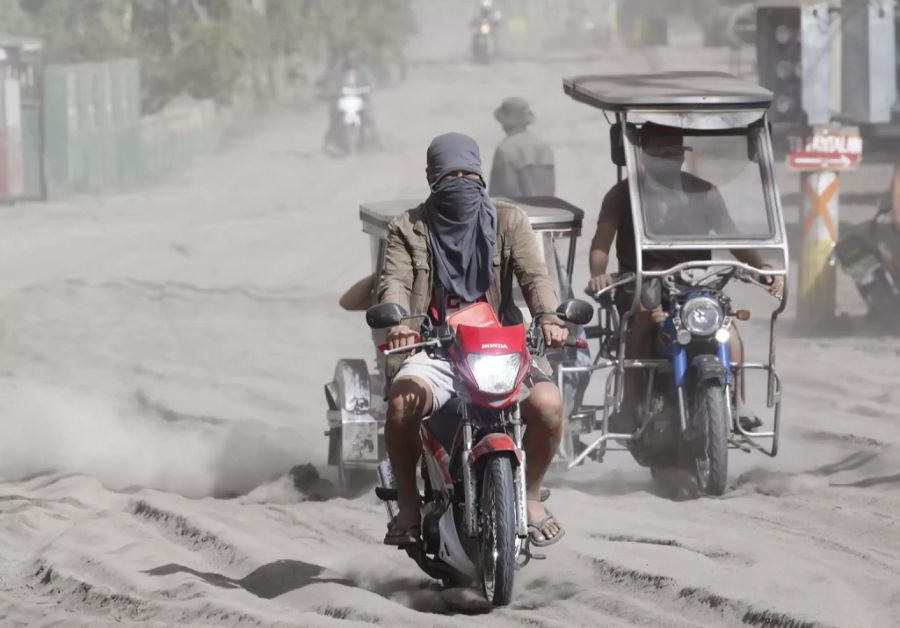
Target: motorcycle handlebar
{"type": "Point", "coordinates": [619, 280]}
{"type": "Point", "coordinates": [538, 346]}
{"type": "Point", "coordinates": [434, 342]}
{"type": "Point", "coordinates": [571, 341]}
{"type": "Point", "coordinates": [761, 279]}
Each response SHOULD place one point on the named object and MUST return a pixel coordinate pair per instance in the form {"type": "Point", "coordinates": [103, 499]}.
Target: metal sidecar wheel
{"type": "Point", "coordinates": [711, 414]}
{"type": "Point", "coordinates": [351, 480]}
{"type": "Point", "coordinates": [498, 531]}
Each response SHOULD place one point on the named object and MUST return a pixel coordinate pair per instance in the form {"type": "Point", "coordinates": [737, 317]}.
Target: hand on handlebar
{"type": "Point", "coordinates": [555, 335]}
{"type": "Point", "coordinates": [775, 283]}
{"type": "Point", "coordinates": [598, 283]}
{"type": "Point", "coordinates": [401, 336]}
{"type": "Point", "coordinates": [776, 286]}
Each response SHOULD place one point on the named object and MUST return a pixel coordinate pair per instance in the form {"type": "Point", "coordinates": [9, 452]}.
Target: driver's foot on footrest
{"type": "Point", "coordinates": [749, 423]}
{"type": "Point", "coordinates": [401, 536]}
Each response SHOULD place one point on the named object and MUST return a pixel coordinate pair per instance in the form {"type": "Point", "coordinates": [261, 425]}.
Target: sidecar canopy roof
{"type": "Point", "coordinates": [667, 90]}
{"type": "Point", "coordinates": [545, 213]}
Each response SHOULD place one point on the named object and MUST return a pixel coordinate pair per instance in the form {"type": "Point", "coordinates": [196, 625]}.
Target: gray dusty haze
{"type": "Point", "coordinates": [162, 356]}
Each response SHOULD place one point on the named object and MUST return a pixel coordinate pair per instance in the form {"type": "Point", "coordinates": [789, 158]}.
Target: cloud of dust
{"type": "Point", "coordinates": [49, 429]}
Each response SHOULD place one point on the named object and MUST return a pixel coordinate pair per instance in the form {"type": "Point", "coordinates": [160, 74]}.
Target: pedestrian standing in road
{"type": "Point", "coordinates": [523, 164]}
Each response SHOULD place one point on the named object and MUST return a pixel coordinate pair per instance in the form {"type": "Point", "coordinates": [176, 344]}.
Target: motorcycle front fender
{"type": "Point", "coordinates": [496, 444]}
{"type": "Point", "coordinates": [709, 368]}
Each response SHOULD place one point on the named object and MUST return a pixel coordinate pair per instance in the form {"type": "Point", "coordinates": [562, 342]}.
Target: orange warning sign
{"type": "Point", "coordinates": [818, 207]}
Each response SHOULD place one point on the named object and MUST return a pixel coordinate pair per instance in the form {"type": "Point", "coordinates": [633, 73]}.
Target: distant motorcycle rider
{"type": "Point", "coordinates": [487, 13]}
{"type": "Point", "coordinates": [349, 71]}
{"type": "Point", "coordinates": [491, 17]}
{"type": "Point", "coordinates": [462, 248]}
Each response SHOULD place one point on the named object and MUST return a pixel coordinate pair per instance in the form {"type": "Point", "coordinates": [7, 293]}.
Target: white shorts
{"type": "Point", "coordinates": [438, 374]}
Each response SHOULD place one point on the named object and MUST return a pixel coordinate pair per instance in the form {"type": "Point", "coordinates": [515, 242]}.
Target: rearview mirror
{"type": "Point", "coordinates": [575, 311]}
{"type": "Point", "coordinates": [651, 294]}
{"type": "Point", "coordinates": [385, 315]}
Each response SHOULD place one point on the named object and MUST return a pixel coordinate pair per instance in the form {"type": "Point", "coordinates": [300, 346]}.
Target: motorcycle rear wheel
{"type": "Point", "coordinates": [498, 531]}
{"type": "Point", "coordinates": [710, 411]}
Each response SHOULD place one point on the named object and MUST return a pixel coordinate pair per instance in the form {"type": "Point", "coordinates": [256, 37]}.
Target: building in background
{"type": "Point", "coordinates": [21, 137]}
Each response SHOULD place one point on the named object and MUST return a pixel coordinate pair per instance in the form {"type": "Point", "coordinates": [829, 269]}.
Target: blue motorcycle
{"type": "Point", "coordinates": [694, 162]}
{"type": "Point", "coordinates": [688, 414]}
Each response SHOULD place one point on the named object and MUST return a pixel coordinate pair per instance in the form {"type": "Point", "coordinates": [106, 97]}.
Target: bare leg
{"type": "Point", "coordinates": [359, 296]}
{"type": "Point", "coordinates": [409, 402]}
{"type": "Point", "coordinates": [542, 412]}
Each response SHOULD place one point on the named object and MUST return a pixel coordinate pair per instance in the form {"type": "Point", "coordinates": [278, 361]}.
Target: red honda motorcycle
{"type": "Point", "coordinates": [474, 520]}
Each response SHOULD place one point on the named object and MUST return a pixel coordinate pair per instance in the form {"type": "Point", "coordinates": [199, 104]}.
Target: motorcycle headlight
{"type": "Point", "coordinates": [485, 29]}
{"type": "Point", "coordinates": [702, 316]}
{"type": "Point", "coordinates": [495, 373]}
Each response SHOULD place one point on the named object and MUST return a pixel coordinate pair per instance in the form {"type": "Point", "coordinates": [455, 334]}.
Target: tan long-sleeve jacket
{"type": "Point", "coordinates": [407, 277]}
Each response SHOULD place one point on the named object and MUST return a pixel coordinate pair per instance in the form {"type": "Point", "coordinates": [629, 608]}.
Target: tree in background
{"type": "Point", "coordinates": [202, 48]}
{"type": "Point", "coordinates": [380, 29]}
{"type": "Point", "coordinates": [212, 48]}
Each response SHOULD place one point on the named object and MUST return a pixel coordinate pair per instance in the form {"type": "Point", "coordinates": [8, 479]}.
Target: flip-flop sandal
{"type": "Point", "coordinates": [536, 536]}
{"type": "Point", "coordinates": [401, 538]}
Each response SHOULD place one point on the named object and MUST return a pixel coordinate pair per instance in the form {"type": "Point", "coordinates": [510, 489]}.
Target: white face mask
{"type": "Point", "coordinates": [664, 171]}
{"type": "Point", "coordinates": [665, 196]}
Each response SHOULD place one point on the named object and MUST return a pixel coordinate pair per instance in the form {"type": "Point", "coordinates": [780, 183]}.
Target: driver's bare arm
{"type": "Point", "coordinates": [611, 213]}
{"type": "Point", "coordinates": [599, 257]}
{"type": "Point", "coordinates": [753, 258]}
{"type": "Point", "coordinates": [600, 246]}
{"type": "Point", "coordinates": [359, 296]}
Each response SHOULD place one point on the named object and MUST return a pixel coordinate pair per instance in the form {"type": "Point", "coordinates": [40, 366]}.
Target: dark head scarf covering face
{"type": "Point", "coordinates": [462, 221]}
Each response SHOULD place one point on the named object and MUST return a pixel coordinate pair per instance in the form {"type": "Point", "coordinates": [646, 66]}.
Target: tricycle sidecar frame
{"type": "Point", "coordinates": [701, 102]}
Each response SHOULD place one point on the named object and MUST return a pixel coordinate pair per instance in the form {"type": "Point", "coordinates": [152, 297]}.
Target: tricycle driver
{"type": "Point", "coordinates": [461, 246]}
{"type": "Point", "coordinates": [676, 203]}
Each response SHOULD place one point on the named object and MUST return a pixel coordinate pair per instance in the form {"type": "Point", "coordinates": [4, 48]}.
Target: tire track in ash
{"type": "Point", "coordinates": [707, 604]}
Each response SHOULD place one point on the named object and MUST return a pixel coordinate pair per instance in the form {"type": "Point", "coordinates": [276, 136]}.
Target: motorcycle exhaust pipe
{"type": "Point", "coordinates": [470, 525]}
{"type": "Point", "coordinates": [386, 481]}
{"type": "Point", "coordinates": [519, 482]}
{"type": "Point", "coordinates": [521, 501]}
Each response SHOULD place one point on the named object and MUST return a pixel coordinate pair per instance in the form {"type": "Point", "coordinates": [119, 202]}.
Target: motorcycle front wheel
{"type": "Point", "coordinates": [711, 413]}
{"type": "Point", "coordinates": [498, 531]}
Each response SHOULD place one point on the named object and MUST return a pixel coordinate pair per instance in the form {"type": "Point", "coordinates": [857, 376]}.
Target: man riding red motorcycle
{"type": "Point", "coordinates": [459, 248]}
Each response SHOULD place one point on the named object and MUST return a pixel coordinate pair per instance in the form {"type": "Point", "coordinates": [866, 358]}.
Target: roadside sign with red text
{"type": "Point", "coordinates": [825, 148]}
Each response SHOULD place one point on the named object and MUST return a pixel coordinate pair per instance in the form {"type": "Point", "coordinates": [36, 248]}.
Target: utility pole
{"type": "Point", "coordinates": [797, 60]}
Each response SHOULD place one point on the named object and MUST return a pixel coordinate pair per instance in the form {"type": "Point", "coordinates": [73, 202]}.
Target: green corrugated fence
{"type": "Point", "coordinates": [96, 139]}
